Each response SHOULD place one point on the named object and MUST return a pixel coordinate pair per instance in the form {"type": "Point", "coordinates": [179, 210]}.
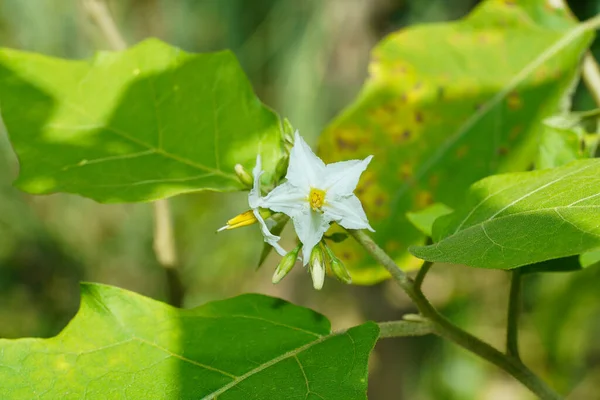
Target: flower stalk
{"type": "Point", "coordinates": [444, 328]}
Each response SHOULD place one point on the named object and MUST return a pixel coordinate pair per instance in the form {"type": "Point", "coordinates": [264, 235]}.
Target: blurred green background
{"type": "Point", "coordinates": [307, 59]}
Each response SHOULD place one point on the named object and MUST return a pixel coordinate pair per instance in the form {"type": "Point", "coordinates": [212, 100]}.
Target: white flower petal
{"type": "Point", "coordinates": [285, 198]}
{"type": "Point", "coordinates": [271, 239]}
{"type": "Point", "coordinates": [305, 169]}
{"type": "Point", "coordinates": [310, 226]}
{"type": "Point", "coordinates": [348, 212]}
{"type": "Point", "coordinates": [254, 195]}
{"type": "Point", "coordinates": [342, 177]}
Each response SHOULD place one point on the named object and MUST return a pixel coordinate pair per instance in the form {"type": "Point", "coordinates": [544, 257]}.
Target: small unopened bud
{"type": "Point", "coordinates": [243, 175]}
{"type": "Point", "coordinates": [339, 270]}
{"type": "Point", "coordinates": [317, 267]}
{"type": "Point", "coordinates": [282, 167]}
{"type": "Point", "coordinates": [288, 134]}
{"type": "Point", "coordinates": [286, 264]}
{"type": "Point", "coordinates": [337, 266]}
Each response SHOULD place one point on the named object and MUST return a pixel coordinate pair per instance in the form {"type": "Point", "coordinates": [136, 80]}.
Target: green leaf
{"type": "Point", "coordinates": [447, 104]}
{"type": "Point", "coordinates": [143, 124]}
{"type": "Point", "coordinates": [123, 345]}
{"type": "Point", "coordinates": [423, 220]}
{"type": "Point", "coordinates": [561, 142]}
{"type": "Point", "coordinates": [517, 219]}
{"type": "Point", "coordinates": [589, 259]}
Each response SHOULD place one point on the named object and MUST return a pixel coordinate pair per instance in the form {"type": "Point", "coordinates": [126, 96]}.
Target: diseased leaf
{"type": "Point", "coordinates": [123, 345]}
{"type": "Point", "coordinates": [517, 219]}
{"type": "Point", "coordinates": [423, 220]}
{"type": "Point", "coordinates": [435, 127]}
{"type": "Point", "coordinates": [143, 124]}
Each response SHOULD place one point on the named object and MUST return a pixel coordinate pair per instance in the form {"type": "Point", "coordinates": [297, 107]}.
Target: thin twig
{"type": "Point", "coordinates": [514, 307]}
{"type": "Point", "coordinates": [421, 274]}
{"type": "Point", "coordinates": [164, 238]}
{"type": "Point", "coordinates": [100, 14]}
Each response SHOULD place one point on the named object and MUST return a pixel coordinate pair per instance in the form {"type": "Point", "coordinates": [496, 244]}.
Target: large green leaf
{"type": "Point", "coordinates": [122, 345]}
{"type": "Point", "coordinates": [447, 104]}
{"type": "Point", "coordinates": [523, 218]}
{"type": "Point", "coordinates": [143, 124]}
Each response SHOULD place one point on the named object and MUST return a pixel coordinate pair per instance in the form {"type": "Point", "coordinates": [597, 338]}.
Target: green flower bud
{"type": "Point", "coordinates": [337, 266]}
{"type": "Point", "coordinates": [317, 267]}
{"type": "Point", "coordinates": [282, 167]}
{"type": "Point", "coordinates": [243, 175]}
{"type": "Point", "coordinates": [286, 264]}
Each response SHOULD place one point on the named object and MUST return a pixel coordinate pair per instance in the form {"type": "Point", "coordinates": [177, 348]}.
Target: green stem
{"type": "Point", "coordinates": [404, 328]}
{"type": "Point", "coordinates": [514, 306]}
{"type": "Point", "coordinates": [444, 328]}
{"type": "Point", "coordinates": [421, 274]}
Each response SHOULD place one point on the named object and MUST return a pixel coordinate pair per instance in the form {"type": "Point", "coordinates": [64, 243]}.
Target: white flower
{"type": "Point", "coordinates": [256, 201]}
{"type": "Point", "coordinates": [315, 195]}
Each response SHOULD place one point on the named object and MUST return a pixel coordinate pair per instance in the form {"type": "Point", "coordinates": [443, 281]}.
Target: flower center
{"type": "Point", "coordinates": [316, 198]}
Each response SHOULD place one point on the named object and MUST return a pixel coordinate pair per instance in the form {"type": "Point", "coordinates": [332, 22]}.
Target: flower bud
{"type": "Point", "coordinates": [282, 167]}
{"type": "Point", "coordinates": [317, 267]}
{"type": "Point", "coordinates": [337, 266]}
{"type": "Point", "coordinates": [339, 270]}
{"type": "Point", "coordinates": [243, 175]}
{"type": "Point", "coordinates": [286, 264]}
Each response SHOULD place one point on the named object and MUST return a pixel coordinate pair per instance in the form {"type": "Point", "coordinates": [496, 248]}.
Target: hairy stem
{"type": "Point", "coordinates": [514, 306]}
{"type": "Point", "coordinates": [444, 328]}
{"type": "Point", "coordinates": [404, 328]}
{"type": "Point", "coordinates": [164, 238]}
{"type": "Point", "coordinates": [421, 274]}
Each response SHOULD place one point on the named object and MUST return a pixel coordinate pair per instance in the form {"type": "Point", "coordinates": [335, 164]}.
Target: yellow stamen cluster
{"type": "Point", "coordinates": [316, 198]}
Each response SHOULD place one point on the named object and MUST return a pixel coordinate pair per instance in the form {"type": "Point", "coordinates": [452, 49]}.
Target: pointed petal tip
{"type": "Point", "coordinates": [221, 229]}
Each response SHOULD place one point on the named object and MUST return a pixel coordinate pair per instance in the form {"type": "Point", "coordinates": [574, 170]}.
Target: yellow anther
{"type": "Point", "coordinates": [244, 219]}
{"type": "Point", "coordinates": [316, 198]}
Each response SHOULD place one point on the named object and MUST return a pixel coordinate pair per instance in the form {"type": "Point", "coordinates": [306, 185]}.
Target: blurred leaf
{"type": "Point", "coordinates": [447, 104]}
{"type": "Point", "coordinates": [564, 264]}
{"type": "Point", "coordinates": [423, 220]}
{"type": "Point", "coordinates": [561, 142]}
{"type": "Point", "coordinates": [566, 317]}
{"type": "Point", "coordinates": [123, 345]}
{"type": "Point", "coordinates": [337, 237]}
{"type": "Point", "coordinates": [589, 259]}
{"type": "Point", "coordinates": [138, 125]}
{"type": "Point", "coordinates": [523, 218]}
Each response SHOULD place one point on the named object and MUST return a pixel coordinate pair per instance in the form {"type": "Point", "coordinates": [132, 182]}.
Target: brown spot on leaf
{"type": "Point", "coordinates": [419, 117]}
{"type": "Point", "coordinates": [345, 144]}
{"type": "Point", "coordinates": [462, 151]}
{"type": "Point", "coordinates": [514, 101]}
{"type": "Point", "coordinates": [502, 150]}
{"type": "Point", "coordinates": [423, 199]}
{"type": "Point", "coordinates": [515, 132]}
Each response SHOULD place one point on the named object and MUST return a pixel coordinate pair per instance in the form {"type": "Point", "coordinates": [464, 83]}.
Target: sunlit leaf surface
{"type": "Point", "coordinates": [517, 219]}
{"type": "Point", "coordinates": [143, 124]}
{"type": "Point", "coordinates": [122, 345]}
